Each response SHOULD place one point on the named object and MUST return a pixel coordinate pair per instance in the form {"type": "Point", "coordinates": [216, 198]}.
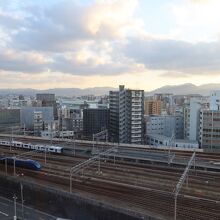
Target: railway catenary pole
{"type": "Point", "coordinates": [45, 155]}
{"type": "Point", "coordinates": [182, 179]}
{"type": "Point", "coordinates": [78, 167]}
{"type": "Point", "coordinates": [11, 138]}
{"type": "Point", "coordinates": [14, 165]}
{"type": "Point", "coordinates": [6, 167]}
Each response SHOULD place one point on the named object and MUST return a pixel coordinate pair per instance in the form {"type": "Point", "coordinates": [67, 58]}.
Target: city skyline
{"type": "Point", "coordinates": [141, 44]}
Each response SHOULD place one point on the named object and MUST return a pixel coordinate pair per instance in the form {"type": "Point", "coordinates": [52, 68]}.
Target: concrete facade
{"type": "Point", "coordinates": [27, 114]}
{"type": "Point", "coordinates": [161, 140]}
{"type": "Point", "coordinates": [152, 107]}
{"type": "Point", "coordinates": [126, 116]}
{"type": "Point", "coordinates": [210, 129]}
{"type": "Point", "coordinates": [166, 125]}
{"type": "Point", "coordinates": [191, 114]}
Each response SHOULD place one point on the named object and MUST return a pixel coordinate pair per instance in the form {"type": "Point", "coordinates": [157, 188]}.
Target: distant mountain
{"type": "Point", "coordinates": [186, 89]}
{"type": "Point", "coordinates": [69, 92]}
{"type": "Point", "coordinates": [183, 89]}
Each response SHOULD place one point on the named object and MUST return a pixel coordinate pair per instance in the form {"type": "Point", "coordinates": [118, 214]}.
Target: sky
{"type": "Point", "coordinates": [142, 44]}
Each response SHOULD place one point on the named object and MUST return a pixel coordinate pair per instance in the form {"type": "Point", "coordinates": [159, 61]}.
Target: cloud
{"type": "Point", "coordinates": [27, 62]}
{"type": "Point", "coordinates": [180, 56]}
{"type": "Point", "coordinates": [9, 21]}
{"type": "Point", "coordinates": [61, 26]}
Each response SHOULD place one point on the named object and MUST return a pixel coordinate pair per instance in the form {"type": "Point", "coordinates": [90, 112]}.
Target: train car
{"type": "Point", "coordinates": [48, 148]}
{"type": "Point", "coordinates": [55, 149]}
{"type": "Point", "coordinates": [5, 143]}
{"type": "Point", "coordinates": [23, 163]}
{"type": "Point", "coordinates": [17, 144]}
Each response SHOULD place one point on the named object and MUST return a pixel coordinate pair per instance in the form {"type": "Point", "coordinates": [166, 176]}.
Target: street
{"type": "Point", "coordinates": [7, 211]}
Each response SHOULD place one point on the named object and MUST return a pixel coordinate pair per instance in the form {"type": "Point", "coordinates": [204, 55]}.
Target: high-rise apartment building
{"type": "Point", "coordinates": [152, 107]}
{"type": "Point", "coordinates": [126, 122]}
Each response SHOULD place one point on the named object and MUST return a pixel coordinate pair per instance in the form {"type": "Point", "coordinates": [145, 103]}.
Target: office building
{"type": "Point", "coordinates": [210, 129]}
{"type": "Point", "coordinates": [210, 124]}
{"type": "Point", "coordinates": [167, 125]}
{"type": "Point", "coordinates": [38, 122]}
{"type": "Point", "coordinates": [48, 100]}
{"type": "Point", "coordinates": [9, 118]}
{"type": "Point", "coordinates": [94, 121]}
{"type": "Point", "coordinates": [27, 118]}
{"type": "Point", "coordinates": [164, 141]}
{"type": "Point", "coordinates": [191, 113]}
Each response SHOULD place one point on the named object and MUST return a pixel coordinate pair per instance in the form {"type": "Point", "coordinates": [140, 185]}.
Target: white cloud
{"type": "Point", "coordinates": [179, 56]}
{"type": "Point", "coordinates": [196, 20]}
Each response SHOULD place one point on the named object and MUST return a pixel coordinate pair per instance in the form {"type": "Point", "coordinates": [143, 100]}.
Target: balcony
{"type": "Point", "coordinates": [135, 127]}
{"type": "Point", "coordinates": [136, 113]}
{"type": "Point", "coordinates": [136, 140]}
{"type": "Point", "coordinates": [136, 132]}
{"type": "Point", "coordinates": [135, 118]}
{"type": "Point", "coordinates": [136, 122]}
{"type": "Point", "coordinates": [136, 136]}
{"type": "Point", "coordinates": [136, 109]}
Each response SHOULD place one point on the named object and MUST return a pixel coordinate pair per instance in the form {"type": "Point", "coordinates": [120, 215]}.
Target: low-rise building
{"type": "Point", "coordinates": [161, 140]}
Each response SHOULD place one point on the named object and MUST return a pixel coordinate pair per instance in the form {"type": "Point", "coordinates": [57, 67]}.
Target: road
{"type": "Point", "coordinates": [7, 211]}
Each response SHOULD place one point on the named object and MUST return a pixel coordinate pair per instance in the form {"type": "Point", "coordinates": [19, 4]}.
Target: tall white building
{"type": "Point", "coordinates": [191, 119]}
{"type": "Point", "coordinates": [214, 100]}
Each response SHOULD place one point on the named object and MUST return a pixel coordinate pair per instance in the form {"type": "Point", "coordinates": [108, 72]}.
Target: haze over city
{"type": "Point", "coordinates": [88, 43]}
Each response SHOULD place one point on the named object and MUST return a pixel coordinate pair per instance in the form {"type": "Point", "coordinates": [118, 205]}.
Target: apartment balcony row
{"type": "Point", "coordinates": [136, 140]}
{"type": "Point", "coordinates": [136, 127]}
{"type": "Point", "coordinates": [136, 136]}
{"type": "Point", "coordinates": [136, 122]}
{"type": "Point", "coordinates": [136, 118]}
{"type": "Point", "coordinates": [136, 95]}
{"type": "Point", "coordinates": [136, 114]}
{"type": "Point", "coordinates": [136, 132]}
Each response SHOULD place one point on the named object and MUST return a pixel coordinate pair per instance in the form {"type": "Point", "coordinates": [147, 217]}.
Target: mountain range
{"type": "Point", "coordinates": [183, 89]}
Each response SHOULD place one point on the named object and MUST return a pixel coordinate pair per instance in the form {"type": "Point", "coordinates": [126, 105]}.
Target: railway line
{"type": "Point", "coordinates": [143, 188]}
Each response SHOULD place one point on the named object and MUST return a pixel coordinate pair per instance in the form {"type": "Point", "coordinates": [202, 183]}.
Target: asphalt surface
{"type": "Point", "coordinates": [7, 211]}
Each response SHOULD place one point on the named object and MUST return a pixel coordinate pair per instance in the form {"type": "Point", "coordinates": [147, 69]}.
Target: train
{"type": "Point", "coordinates": [23, 163]}
{"type": "Point", "coordinates": [47, 148]}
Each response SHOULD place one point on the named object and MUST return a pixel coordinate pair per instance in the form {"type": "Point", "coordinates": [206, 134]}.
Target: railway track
{"type": "Point", "coordinates": [144, 188]}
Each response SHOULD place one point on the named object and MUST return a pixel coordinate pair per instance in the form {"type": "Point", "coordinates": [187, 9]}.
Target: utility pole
{"type": "Point", "coordinates": [74, 146]}
{"type": "Point", "coordinates": [11, 138]}
{"type": "Point", "coordinates": [45, 155]}
{"type": "Point", "coordinates": [24, 129]}
{"type": "Point", "coordinates": [22, 201]}
{"type": "Point", "coordinates": [15, 211]}
{"type": "Point", "coordinates": [93, 137]}
{"type": "Point", "coordinates": [14, 166]}
{"type": "Point", "coordinates": [51, 133]}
